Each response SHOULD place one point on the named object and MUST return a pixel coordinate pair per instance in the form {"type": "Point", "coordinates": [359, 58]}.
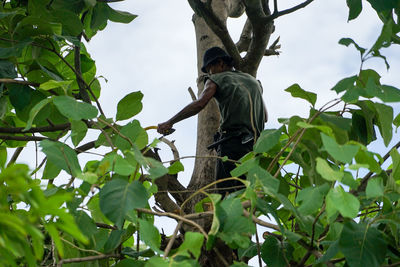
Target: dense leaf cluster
{"type": "Point", "coordinates": [329, 197]}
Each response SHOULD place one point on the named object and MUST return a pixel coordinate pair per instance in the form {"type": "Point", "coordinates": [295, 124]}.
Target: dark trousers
{"type": "Point", "coordinates": [233, 149]}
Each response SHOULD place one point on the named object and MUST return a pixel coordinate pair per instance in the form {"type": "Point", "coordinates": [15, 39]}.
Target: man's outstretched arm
{"type": "Point", "coordinates": [192, 109]}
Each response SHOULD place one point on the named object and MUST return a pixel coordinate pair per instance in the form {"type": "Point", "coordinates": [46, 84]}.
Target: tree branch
{"type": "Point", "coordinates": [245, 38]}
{"type": "Point", "coordinates": [81, 84]}
{"type": "Point", "coordinates": [5, 80]}
{"type": "Point", "coordinates": [23, 138]}
{"type": "Point", "coordinates": [177, 217]}
{"type": "Point", "coordinates": [89, 258]}
{"type": "Point", "coordinates": [366, 178]}
{"type": "Point", "coordinates": [286, 11]}
{"type": "Point", "coordinates": [261, 222]}
{"type": "Point", "coordinates": [218, 27]}
{"type": "Point", "coordinates": [50, 128]}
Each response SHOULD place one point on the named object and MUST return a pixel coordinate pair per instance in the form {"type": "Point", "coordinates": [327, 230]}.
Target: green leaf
{"type": "Point", "coordinates": [150, 235]}
{"type": "Point", "coordinates": [355, 8]}
{"type": "Point", "coordinates": [156, 168]}
{"type": "Point", "coordinates": [375, 188]}
{"type": "Point", "coordinates": [343, 153]}
{"type": "Point", "coordinates": [193, 242]}
{"type": "Point", "coordinates": [118, 197]}
{"type": "Point", "coordinates": [380, 5]}
{"type": "Point", "coordinates": [7, 69]}
{"type": "Point", "coordinates": [274, 253]}
{"type": "Point", "coordinates": [51, 170]}
{"type": "Point", "coordinates": [129, 106]}
{"type": "Point", "coordinates": [52, 230]}
{"type": "Point", "coordinates": [327, 172]}
{"type": "Point", "coordinates": [260, 177]}
{"type": "Point", "coordinates": [61, 156]}
{"type": "Point", "coordinates": [3, 106]}
{"type": "Point", "coordinates": [34, 111]}
{"type": "Point", "coordinates": [118, 164]}
{"type": "Point", "coordinates": [52, 84]}
{"type": "Point", "coordinates": [156, 262]}
{"type": "Point", "coordinates": [348, 41]}
{"type": "Point", "coordinates": [267, 140]}
{"type": "Point", "coordinates": [311, 199]}
{"type": "Point", "coordinates": [130, 263]}
{"type": "Point", "coordinates": [296, 91]}
{"type": "Point", "coordinates": [89, 177]}
{"type": "Point", "coordinates": [176, 167]}
{"type": "Point", "coordinates": [85, 224]}
{"type": "Point", "coordinates": [3, 157]}
{"type": "Point", "coordinates": [343, 202]}
{"type": "Point", "coordinates": [15, 50]}
{"type": "Point", "coordinates": [330, 253]}
{"type": "Point", "coordinates": [395, 155]}
{"type": "Point", "coordinates": [396, 121]}
{"type": "Point", "coordinates": [366, 157]}
{"type": "Point", "coordinates": [384, 121]}
{"type": "Point", "coordinates": [322, 128]}
{"type": "Point", "coordinates": [114, 240]}
{"type": "Point", "coordinates": [362, 245]}
{"type": "Point", "coordinates": [345, 84]}
{"type": "Point", "coordinates": [120, 16]}
{"type": "Point", "coordinates": [385, 37]}
{"type": "Point", "coordinates": [135, 133]}
{"type": "Point", "coordinates": [20, 95]}
{"type": "Point", "coordinates": [78, 131]}
{"type": "Point", "coordinates": [74, 109]}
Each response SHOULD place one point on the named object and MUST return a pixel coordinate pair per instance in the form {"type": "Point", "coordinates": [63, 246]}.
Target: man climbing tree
{"type": "Point", "coordinates": [243, 113]}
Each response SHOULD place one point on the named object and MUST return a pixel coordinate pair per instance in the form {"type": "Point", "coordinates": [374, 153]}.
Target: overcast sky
{"type": "Point", "coordinates": [156, 54]}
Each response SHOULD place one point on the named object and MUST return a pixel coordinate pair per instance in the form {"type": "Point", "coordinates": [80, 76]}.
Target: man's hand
{"type": "Point", "coordinates": [164, 128]}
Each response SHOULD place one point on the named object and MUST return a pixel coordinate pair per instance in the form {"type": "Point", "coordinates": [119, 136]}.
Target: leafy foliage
{"type": "Point", "coordinates": [335, 202]}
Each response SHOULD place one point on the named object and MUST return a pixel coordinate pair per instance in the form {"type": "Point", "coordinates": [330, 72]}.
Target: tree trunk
{"type": "Point", "coordinates": [208, 123]}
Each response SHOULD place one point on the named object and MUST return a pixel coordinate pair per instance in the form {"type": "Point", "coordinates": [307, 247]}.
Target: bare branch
{"type": "Point", "coordinates": [5, 80]}
{"type": "Point", "coordinates": [261, 222]}
{"type": "Point", "coordinates": [245, 38]}
{"type": "Point", "coordinates": [106, 226]}
{"type": "Point", "coordinates": [89, 258]}
{"type": "Point", "coordinates": [81, 83]}
{"type": "Point", "coordinates": [15, 155]}
{"type": "Point", "coordinates": [50, 128]}
{"type": "Point", "coordinates": [171, 145]}
{"type": "Point", "coordinates": [286, 11]}
{"type": "Point", "coordinates": [23, 138]}
{"type": "Point", "coordinates": [172, 240]}
{"type": "Point", "coordinates": [218, 26]}
{"type": "Point", "coordinates": [175, 216]}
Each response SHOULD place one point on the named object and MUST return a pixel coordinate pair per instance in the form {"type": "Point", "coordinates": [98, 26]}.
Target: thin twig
{"type": "Point", "coordinates": [5, 80]}
{"type": "Point", "coordinates": [15, 156]}
{"type": "Point", "coordinates": [175, 216]}
{"type": "Point", "coordinates": [50, 128]}
{"type": "Point", "coordinates": [89, 258]}
{"type": "Point", "coordinates": [81, 249]}
{"type": "Point", "coordinates": [258, 248]}
{"type": "Point", "coordinates": [172, 240]}
{"type": "Point", "coordinates": [286, 11]}
{"type": "Point", "coordinates": [116, 131]}
{"type": "Point", "coordinates": [261, 222]}
{"type": "Point", "coordinates": [23, 138]}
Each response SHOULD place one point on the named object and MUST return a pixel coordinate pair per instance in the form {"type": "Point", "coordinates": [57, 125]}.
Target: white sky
{"type": "Point", "coordinates": [156, 54]}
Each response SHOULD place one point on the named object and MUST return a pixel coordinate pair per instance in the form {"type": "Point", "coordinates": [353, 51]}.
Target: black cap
{"type": "Point", "coordinates": [213, 54]}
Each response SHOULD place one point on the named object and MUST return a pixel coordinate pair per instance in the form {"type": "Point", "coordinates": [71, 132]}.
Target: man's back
{"type": "Point", "coordinates": [239, 97]}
